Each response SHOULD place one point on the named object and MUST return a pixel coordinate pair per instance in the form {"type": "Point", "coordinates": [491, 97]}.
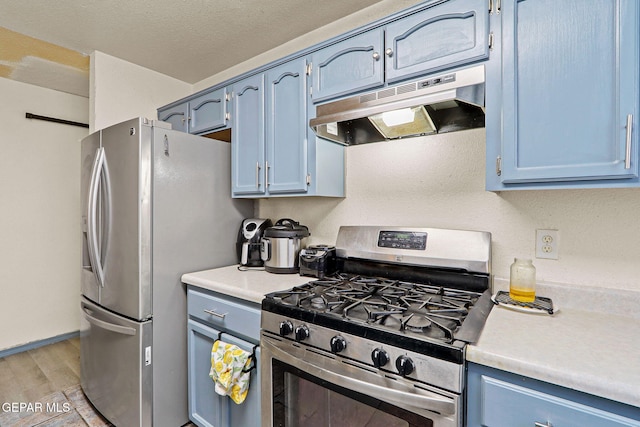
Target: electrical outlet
{"type": "Point", "coordinates": [547, 244]}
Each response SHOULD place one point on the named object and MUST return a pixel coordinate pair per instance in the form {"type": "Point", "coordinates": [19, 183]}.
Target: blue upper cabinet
{"type": "Point", "coordinates": [443, 36]}
{"type": "Point", "coordinates": [204, 113]}
{"type": "Point", "coordinates": [568, 95]}
{"type": "Point", "coordinates": [348, 66]}
{"type": "Point", "coordinates": [286, 127]}
{"type": "Point", "coordinates": [274, 153]}
{"type": "Point", "coordinates": [247, 137]}
{"type": "Point", "coordinates": [177, 115]}
{"type": "Point", "coordinates": [208, 111]}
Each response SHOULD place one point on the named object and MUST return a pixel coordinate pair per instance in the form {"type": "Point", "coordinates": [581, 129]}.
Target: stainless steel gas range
{"type": "Point", "coordinates": [382, 341]}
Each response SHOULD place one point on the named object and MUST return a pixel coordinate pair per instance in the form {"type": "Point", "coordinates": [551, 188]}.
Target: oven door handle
{"type": "Point", "coordinates": [426, 400]}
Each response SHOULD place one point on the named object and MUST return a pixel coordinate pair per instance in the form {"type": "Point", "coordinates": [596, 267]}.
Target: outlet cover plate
{"type": "Point", "coordinates": [547, 244]}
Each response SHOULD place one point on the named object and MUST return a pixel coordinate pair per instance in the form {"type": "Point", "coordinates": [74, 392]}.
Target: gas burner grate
{"type": "Point", "coordinates": [425, 310]}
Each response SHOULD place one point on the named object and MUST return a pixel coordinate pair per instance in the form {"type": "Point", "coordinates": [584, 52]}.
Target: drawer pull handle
{"type": "Point", "coordinates": [213, 313]}
{"type": "Point", "coordinates": [547, 424]}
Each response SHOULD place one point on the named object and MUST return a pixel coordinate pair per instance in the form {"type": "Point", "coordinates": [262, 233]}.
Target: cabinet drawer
{"type": "Point", "coordinates": [505, 404]}
{"type": "Point", "coordinates": [225, 313]}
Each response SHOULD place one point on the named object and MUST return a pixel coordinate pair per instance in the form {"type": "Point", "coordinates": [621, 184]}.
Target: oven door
{"type": "Point", "coordinates": [305, 386]}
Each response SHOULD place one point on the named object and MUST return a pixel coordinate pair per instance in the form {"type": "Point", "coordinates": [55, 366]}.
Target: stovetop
{"type": "Point", "coordinates": [420, 289]}
{"type": "Point", "coordinates": [419, 310]}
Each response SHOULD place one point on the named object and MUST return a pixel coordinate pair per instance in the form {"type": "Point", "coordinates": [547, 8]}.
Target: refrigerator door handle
{"type": "Point", "coordinates": [124, 330]}
{"type": "Point", "coordinates": [99, 181]}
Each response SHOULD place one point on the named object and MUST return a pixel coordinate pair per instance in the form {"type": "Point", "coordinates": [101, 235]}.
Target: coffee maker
{"type": "Point", "coordinates": [248, 244]}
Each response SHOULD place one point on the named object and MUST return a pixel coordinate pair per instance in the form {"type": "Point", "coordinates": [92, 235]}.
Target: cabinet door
{"type": "Point", "coordinates": [177, 116]}
{"type": "Point", "coordinates": [208, 111]}
{"type": "Point", "coordinates": [247, 140]}
{"type": "Point", "coordinates": [500, 399]}
{"type": "Point", "coordinates": [569, 87]}
{"type": "Point", "coordinates": [206, 407]}
{"type": "Point", "coordinates": [348, 66]}
{"type": "Point", "coordinates": [444, 36]}
{"type": "Point", "coordinates": [287, 127]}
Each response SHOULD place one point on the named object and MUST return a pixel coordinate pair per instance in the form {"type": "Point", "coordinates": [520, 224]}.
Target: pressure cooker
{"type": "Point", "coordinates": [281, 244]}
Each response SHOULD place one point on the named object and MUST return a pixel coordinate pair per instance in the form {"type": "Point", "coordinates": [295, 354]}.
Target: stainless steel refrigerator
{"type": "Point", "coordinates": [155, 204]}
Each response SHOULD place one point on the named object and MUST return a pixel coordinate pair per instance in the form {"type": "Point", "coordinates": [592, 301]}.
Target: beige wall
{"type": "Point", "coordinates": [39, 218]}
{"type": "Point", "coordinates": [120, 90]}
{"type": "Point", "coordinates": [438, 181]}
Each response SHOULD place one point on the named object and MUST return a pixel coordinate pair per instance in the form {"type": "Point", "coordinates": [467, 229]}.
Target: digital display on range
{"type": "Point", "coordinates": [403, 240]}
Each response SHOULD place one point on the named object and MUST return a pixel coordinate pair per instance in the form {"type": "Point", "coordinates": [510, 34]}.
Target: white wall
{"type": "Point", "coordinates": [39, 219]}
{"type": "Point", "coordinates": [438, 181]}
{"type": "Point", "coordinates": [120, 90]}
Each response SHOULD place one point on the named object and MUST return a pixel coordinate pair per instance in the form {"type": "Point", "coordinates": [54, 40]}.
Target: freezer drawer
{"type": "Point", "coordinates": [115, 363]}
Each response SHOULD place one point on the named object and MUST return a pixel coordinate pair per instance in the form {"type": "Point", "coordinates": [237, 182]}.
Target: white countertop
{"type": "Point", "coordinates": [595, 352]}
{"type": "Point", "coordinates": [592, 344]}
{"type": "Point", "coordinates": [250, 285]}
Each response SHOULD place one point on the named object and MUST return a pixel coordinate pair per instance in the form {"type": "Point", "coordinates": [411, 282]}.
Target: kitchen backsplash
{"type": "Point", "coordinates": [438, 181]}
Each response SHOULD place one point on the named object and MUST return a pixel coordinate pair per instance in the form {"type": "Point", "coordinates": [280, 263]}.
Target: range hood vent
{"type": "Point", "coordinates": [445, 103]}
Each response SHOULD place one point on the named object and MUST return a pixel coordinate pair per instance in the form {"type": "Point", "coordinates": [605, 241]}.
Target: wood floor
{"type": "Point", "coordinates": [41, 387]}
{"type": "Point", "coordinates": [48, 379]}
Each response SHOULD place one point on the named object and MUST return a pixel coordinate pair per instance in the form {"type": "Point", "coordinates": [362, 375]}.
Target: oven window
{"type": "Point", "coordinates": [302, 400]}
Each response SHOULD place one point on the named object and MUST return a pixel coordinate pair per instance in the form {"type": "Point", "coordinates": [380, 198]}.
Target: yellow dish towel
{"type": "Point", "coordinates": [228, 365]}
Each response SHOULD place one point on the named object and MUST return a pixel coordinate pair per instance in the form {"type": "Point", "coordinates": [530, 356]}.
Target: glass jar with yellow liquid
{"type": "Point", "coordinates": [522, 285]}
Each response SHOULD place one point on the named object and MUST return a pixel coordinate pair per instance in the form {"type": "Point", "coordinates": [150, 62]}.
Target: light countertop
{"type": "Point", "coordinates": [592, 343]}
{"type": "Point", "coordinates": [250, 285]}
{"type": "Point", "coordinates": [582, 346]}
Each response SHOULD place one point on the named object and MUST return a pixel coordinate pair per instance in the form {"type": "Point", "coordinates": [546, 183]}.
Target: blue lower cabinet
{"type": "Point", "coordinates": [499, 399]}
{"type": "Point", "coordinates": [211, 313]}
{"type": "Point", "coordinates": [563, 104]}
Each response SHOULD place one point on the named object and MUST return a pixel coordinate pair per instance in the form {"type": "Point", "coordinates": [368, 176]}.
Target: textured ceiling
{"type": "Point", "coordinates": [186, 39]}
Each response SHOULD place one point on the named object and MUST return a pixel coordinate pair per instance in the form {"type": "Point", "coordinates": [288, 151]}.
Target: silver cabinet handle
{"type": "Point", "coordinates": [376, 55]}
{"type": "Point", "coordinates": [266, 174]}
{"type": "Point", "coordinates": [257, 174]}
{"type": "Point", "coordinates": [389, 52]}
{"type": "Point", "coordinates": [547, 424]}
{"type": "Point", "coordinates": [213, 313]}
{"type": "Point", "coordinates": [627, 160]}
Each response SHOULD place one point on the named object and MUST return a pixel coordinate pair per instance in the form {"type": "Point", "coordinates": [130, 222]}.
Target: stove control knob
{"type": "Point", "coordinates": [405, 365]}
{"type": "Point", "coordinates": [286, 328]}
{"type": "Point", "coordinates": [338, 344]}
{"type": "Point", "coordinates": [379, 357]}
{"type": "Point", "coordinates": [302, 332]}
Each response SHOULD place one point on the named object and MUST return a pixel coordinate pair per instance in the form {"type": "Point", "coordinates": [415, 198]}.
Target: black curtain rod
{"type": "Point", "coordinates": [51, 119]}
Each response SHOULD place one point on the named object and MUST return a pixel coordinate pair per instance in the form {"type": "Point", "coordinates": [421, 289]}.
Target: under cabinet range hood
{"type": "Point", "coordinates": [436, 104]}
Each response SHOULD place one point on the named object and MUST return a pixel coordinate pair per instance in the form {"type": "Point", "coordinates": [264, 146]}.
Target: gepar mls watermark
{"type": "Point", "coordinates": [50, 407]}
